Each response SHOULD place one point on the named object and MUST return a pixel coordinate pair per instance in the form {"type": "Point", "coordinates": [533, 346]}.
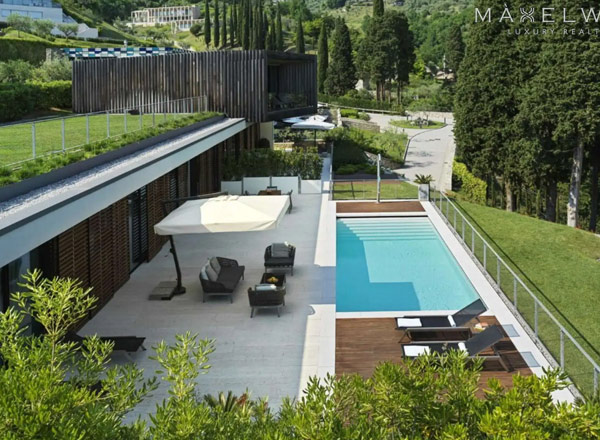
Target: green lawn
{"type": "Point", "coordinates": [367, 190]}
{"type": "Point", "coordinates": [409, 124]}
{"type": "Point", "coordinates": [559, 264]}
{"type": "Point", "coordinates": [16, 140]}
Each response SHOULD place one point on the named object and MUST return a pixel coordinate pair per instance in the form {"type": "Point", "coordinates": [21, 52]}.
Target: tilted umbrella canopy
{"type": "Point", "coordinates": [225, 214]}
{"type": "Point", "coordinates": [313, 123]}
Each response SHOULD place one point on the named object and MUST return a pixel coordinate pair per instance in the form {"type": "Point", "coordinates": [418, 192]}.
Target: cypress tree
{"type": "Point", "coordinates": [323, 59]}
{"type": "Point", "coordinates": [341, 74]}
{"type": "Point", "coordinates": [224, 23]}
{"type": "Point", "coordinates": [299, 36]}
{"type": "Point", "coordinates": [232, 27]}
{"type": "Point", "coordinates": [207, 32]}
{"type": "Point", "coordinates": [455, 48]}
{"type": "Point", "coordinates": [378, 8]}
{"type": "Point", "coordinates": [246, 25]}
{"type": "Point", "coordinates": [278, 30]}
{"type": "Point", "coordinates": [217, 26]}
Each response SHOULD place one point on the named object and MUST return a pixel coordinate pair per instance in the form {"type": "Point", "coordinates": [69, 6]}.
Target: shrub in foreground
{"type": "Point", "coordinates": [51, 389]}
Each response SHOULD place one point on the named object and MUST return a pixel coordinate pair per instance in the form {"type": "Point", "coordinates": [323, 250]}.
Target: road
{"type": "Point", "coordinates": [429, 151]}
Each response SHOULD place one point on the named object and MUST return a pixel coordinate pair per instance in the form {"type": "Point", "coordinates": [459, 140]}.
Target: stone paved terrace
{"type": "Point", "coordinates": [270, 356]}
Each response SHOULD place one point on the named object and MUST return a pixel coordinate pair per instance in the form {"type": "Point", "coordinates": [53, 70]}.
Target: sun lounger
{"type": "Point", "coordinates": [473, 346]}
{"type": "Point", "coordinates": [429, 323]}
{"type": "Point", "coordinates": [130, 344]}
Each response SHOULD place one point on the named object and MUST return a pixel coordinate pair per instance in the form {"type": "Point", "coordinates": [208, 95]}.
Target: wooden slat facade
{"type": "Point", "coordinates": [241, 84]}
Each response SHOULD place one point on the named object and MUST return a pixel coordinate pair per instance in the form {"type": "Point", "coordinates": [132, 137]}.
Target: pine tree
{"type": "Point", "coordinates": [378, 8]}
{"type": "Point", "coordinates": [299, 36]}
{"type": "Point", "coordinates": [341, 74]}
{"type": "Point", "coordinates": [224, 23]}
{"type": "Point", "coordinates": [279, 30]}
{"type": "Point", "coordinates": [207, 32]}
{"type": "Point", "coordinates": [323, 55]}
{"type": "Point", "coordinates": [455, 48]}
{"type": "Point", "coordinates": [217, 26]}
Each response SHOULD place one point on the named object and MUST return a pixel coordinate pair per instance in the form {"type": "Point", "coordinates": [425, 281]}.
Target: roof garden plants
{"type": "Point", "coordinates": [51, 162]}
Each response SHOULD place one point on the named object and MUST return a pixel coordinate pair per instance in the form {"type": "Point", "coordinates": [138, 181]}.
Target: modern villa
{"type": "Point", "coordinates": [363, 281]}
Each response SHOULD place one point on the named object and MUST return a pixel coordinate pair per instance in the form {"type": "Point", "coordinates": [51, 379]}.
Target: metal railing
{"type": "Point", "coordinates": [26, 141]}
{"type": "Point", "coordinates": [357, 189]}
{"type": "Point", "coordinates": [545, 329]}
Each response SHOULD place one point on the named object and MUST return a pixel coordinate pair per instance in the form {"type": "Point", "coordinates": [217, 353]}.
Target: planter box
{"type": "Point", "coordinates": [253, 185]}
{"type": "Point", "coordinates": [23, 187]}
{"type": "Point", "coordinates": [233, 187]}
{"type": "Point", "coordinates": [310, 187]}
{"type": "Point", "coordinates": [286, 184]}
{"type": "Point", "coordinates": [424, 192]}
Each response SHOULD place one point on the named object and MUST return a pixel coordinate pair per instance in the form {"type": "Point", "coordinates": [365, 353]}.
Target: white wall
{"type": "Point", "coordinates": [255, 184]}
{"type": "Point", "coordinates": [286, 184]}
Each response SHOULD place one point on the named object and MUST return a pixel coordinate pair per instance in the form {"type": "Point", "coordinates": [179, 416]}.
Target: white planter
{"type": "Point", "coordinates": [233, 187]}
{"type": "Point", "coordinates": [310, 187]}
{"type": "Point", "coordinates": [286, 184]}
{"type": "Point", "coordinates": [252, 185]}
{"type": "Point", "coordinates": [424, 192]}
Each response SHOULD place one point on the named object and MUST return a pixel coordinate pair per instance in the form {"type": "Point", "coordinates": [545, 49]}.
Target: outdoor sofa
{"type": "Point", "coordinates": [220, 276]}
{"type": "Point", "coordinates": [473, 346]}
{"type": "Point", "coordinates": [280, 256]}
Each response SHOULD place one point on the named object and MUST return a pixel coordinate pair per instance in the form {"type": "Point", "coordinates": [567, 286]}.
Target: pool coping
{"type": "Point", "coordinates": [496, 306]}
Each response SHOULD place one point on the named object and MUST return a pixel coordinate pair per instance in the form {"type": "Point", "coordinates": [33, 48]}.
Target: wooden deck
{"type": "Point", "coordinates": [359, 207]}
{"type": "Point", "coordinates": [362, 343]}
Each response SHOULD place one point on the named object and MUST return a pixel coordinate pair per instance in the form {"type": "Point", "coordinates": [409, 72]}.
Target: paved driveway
{"type": "Point", "coordinates": [429, 152]}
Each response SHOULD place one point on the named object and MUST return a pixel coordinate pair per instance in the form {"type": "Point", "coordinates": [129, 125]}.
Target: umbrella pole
{"type": "Point", "coordinates": [178, 289]}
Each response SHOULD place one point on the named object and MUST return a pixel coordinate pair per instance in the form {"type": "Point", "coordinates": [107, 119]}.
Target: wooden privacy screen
{"type": "Point", "coordinates": [96, 252]}
{"type": "Point", "coordinates": [238, 83]}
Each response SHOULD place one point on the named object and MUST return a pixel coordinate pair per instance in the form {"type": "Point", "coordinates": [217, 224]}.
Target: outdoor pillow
{"type": "Point", "coordinates": [214, 262]}
{"type": "Point", "coordinates": [265, 287]}
{"type": "Point", "coordinates": [408, 322]}
{"type": "Point", "coordinates": [212, 274]}
{"type": "Point", "coordinates": [415, 350]}
{"type": "Point", "coordinates": [280, 250]}
{"type": "Point", "coordinates": [203, 274]}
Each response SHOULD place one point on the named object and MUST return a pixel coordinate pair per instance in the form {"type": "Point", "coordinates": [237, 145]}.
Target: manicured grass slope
{"type": "Point", "coordinates": [559, 264]}
{"type": "Point", "coordinates": [367, 190]}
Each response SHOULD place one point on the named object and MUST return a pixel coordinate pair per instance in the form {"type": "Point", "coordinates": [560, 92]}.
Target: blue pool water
{"type": "Point", "coordinates": [396, 264]}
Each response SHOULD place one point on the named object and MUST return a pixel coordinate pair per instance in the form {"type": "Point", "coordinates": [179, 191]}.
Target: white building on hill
{"type": "Point", "coordinates": [181, 17]}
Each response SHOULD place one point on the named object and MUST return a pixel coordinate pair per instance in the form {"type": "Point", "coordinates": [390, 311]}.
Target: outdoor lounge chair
{"type": "Point", "coordinates": [130, 344]}
{"type": "Point", "coordinates": [456, 322]}
{"type": "Point", "coordinates": [476, 344]}
{"type": "Point", "coordinates": [220, 276]}
{"type": "Point", "coordinates": [280, 255]}
{"type": "Point", "coordinates": [266, 296]}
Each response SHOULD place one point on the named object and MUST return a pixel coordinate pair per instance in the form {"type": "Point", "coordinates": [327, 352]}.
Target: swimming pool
{"type": "Point", "coordinates": [396, 264]}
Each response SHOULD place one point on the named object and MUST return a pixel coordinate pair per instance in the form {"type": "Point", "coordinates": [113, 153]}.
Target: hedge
{"type": "Point", "coordinates": [469, 187]}
{"type": "Point", "coordinates": [263, 162]}
{"type": "Point", "coordinates": [361, 103]}
{"type": "Point", "coordinates": [28, 50]}
{"type": "Point", "coordinates": [20, 99]}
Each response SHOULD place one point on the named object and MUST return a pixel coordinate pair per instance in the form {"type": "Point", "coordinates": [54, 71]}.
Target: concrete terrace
{"type": "Point", "coordinates": [268, 355]}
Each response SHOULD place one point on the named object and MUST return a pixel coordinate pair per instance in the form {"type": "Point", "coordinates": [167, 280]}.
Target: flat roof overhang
{"type": "Point", "coordinates": [42, 215]}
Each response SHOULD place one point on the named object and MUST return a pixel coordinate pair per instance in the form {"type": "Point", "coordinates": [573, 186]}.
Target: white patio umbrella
{"type": "Point", "coordinates": [314, 123]}
{"type": "Point", "coordinates": [223, 213]}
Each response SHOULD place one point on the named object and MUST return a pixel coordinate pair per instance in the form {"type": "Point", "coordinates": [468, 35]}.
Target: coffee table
{"type": "Point", "coordinates": [280, 279]}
